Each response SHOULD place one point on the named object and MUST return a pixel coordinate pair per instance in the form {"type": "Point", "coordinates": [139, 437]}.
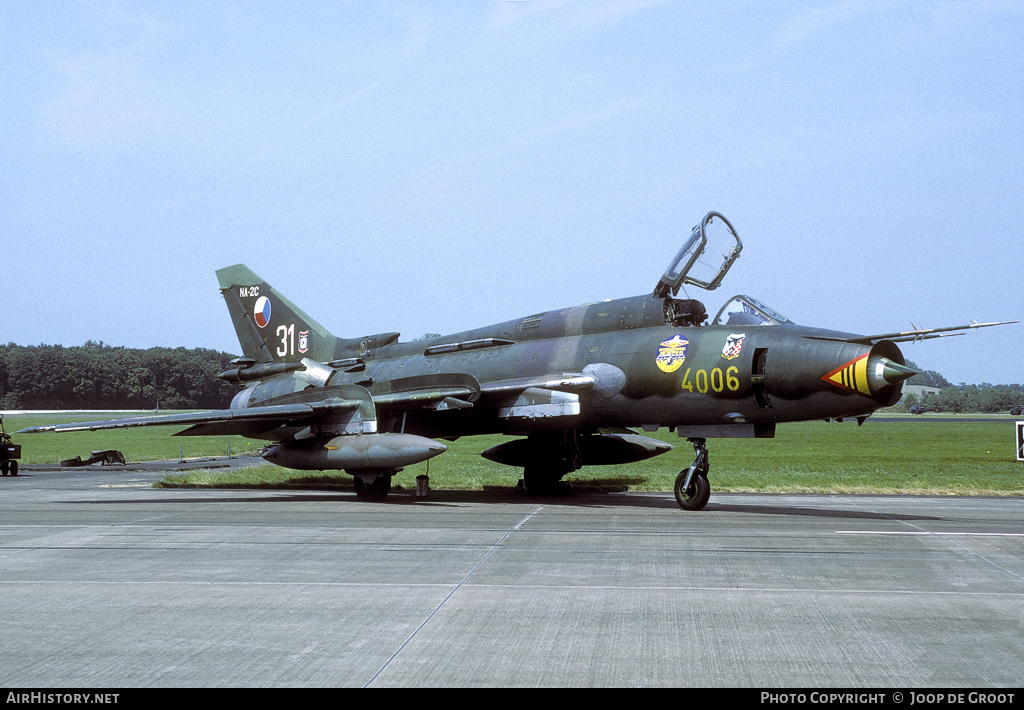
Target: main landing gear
{"type": "Point", "coordinates": [373, 486]}
{"type": "Point", "coordinates": [555, 453]}
{"type": "Point", "coordinates": [692, 488]}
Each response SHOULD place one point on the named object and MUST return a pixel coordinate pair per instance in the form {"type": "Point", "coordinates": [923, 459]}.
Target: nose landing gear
{"type": "Point", "coordinates": [692, 488]}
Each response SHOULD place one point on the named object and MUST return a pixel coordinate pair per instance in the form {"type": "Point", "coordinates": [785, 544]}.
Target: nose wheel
{"type": "Point", "coordinates": [692, 488]}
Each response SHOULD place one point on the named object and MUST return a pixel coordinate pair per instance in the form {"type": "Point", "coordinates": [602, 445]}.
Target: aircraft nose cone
{"type": "Point", "coordinates": [886, 372]}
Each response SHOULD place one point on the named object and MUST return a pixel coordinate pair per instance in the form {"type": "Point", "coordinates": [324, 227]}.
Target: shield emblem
{"type": "Point", "coordinates": [733, 345]}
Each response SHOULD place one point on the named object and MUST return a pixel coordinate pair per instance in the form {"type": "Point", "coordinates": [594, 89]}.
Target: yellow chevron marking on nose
{"type": "Point", "coordinates": [851, 376]}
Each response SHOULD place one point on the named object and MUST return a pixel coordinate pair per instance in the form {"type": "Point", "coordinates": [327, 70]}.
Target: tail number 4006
{"type": "Point", "coordinates": [717, 380]}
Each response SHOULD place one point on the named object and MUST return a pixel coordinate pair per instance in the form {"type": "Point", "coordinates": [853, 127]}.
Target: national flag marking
{"type": "Point", "coordinates": [261, 311]}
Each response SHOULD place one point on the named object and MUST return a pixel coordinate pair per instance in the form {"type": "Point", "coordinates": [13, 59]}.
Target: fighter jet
{"type": "Point", "coordinates": [573, 386]}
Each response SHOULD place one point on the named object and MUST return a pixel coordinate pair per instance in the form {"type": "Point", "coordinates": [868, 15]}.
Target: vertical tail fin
{"type": "Point", "coordinates": [271, 328]}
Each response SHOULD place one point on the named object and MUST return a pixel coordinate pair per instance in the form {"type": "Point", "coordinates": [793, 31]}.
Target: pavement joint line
{"type": "Point", "coordinates": [104, 526]}
{"type": "Point", "coordinates": [456, 588]}
{"type": "Point", "coordinates": [419, 585]}
{"type": "Point", "coordinates": [945, 538]}
{"type": "Point", "coordinates": [925, 532]}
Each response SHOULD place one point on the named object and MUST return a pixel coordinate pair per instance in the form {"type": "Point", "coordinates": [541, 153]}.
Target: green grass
{"type": "Point", "coordinates": [137, 443]}
{"type": "Point", "coordinates": [259, 476]}
{"type": "Point", "coordinates": [929, 456]}
{"type": "Point", "coordinates": [941, 457]}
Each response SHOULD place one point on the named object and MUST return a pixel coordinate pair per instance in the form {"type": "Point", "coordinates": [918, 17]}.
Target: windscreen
{"type": "Point", "coordinates": [744, 310]}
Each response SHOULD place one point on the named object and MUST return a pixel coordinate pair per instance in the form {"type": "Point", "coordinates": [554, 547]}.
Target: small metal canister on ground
{"type": "Point", "coordinates": [422, 486]}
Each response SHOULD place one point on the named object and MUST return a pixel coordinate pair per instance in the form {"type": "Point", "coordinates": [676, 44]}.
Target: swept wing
{"type": "Point", "coordinates": [219, 421]}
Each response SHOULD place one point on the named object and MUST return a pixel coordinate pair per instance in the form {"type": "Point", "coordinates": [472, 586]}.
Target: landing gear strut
{"type": "Point", "coordinates": [692, 488]}
{"type": "Point", "coordinates": [556, 454]}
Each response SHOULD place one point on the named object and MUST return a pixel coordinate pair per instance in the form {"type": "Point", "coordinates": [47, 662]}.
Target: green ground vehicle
{"type": "Point", "coordinates": [9, 452]}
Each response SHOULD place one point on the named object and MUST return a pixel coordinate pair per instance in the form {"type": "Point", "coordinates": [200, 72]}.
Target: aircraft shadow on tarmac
{"type": "Point", "coordinates": [505, 496]}
{"type": "Point", "coordinates": [817, 512]}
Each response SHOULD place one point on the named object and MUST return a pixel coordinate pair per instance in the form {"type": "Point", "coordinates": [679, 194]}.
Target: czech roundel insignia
{"type": "Point", "coordinates": [261, 312]}
{"type": "Point", "coordinates": [733, 344]}
{"type": "Point", "coordinates": [303, 341]}
{"type": "Point", "coordinates": [671, 354]}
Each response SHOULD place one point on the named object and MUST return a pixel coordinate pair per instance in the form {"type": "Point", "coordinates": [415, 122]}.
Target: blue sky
{"type": "Point", "coordinates": [431, 167]}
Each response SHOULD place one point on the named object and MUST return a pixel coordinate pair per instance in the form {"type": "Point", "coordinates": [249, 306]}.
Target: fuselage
{"type": "Point", "coordinates": [719, 380]}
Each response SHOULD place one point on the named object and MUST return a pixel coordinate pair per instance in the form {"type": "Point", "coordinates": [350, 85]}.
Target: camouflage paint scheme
{"type": "Point", "coordinates": [571, 381]}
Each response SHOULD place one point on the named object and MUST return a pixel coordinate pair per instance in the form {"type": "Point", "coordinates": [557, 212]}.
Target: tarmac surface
{"type": "Point", "coordinates": [108, 582]}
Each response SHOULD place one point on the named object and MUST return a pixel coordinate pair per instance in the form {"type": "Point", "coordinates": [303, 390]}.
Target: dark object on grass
{"type": "Point", "coordinates": [106, 458]}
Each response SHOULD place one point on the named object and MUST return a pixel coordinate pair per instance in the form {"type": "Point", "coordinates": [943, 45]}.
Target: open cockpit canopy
{"type": "Point", "coordinates": [697, 265]}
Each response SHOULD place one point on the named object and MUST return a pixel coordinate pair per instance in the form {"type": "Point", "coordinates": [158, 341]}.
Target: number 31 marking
{"type": "Point", "coordinates": [287, 335]}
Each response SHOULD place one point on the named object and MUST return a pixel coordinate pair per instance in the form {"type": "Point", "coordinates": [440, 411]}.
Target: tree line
{"type": "Point", "coordinates": [986, 398]}
{"type": "Point", "coordinates": [100, 376]}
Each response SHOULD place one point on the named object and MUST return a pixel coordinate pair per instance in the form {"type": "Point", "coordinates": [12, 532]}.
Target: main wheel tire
{"type": "Point", "coordinates": [541, 480]}
{"type": "Point", "coordinates": [14, 468]}
{"type": "Point", "coordinates": [696, 496]}
{"type": "Point", "coordinates": [375, 491]}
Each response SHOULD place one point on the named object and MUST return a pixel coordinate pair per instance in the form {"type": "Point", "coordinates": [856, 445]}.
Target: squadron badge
{"type": "Point", "coordinates": [671, 354]}
{"type": "Point", "coordinates": [733, 344]}
{"type": "Point", "coordinates": [303, 341]}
